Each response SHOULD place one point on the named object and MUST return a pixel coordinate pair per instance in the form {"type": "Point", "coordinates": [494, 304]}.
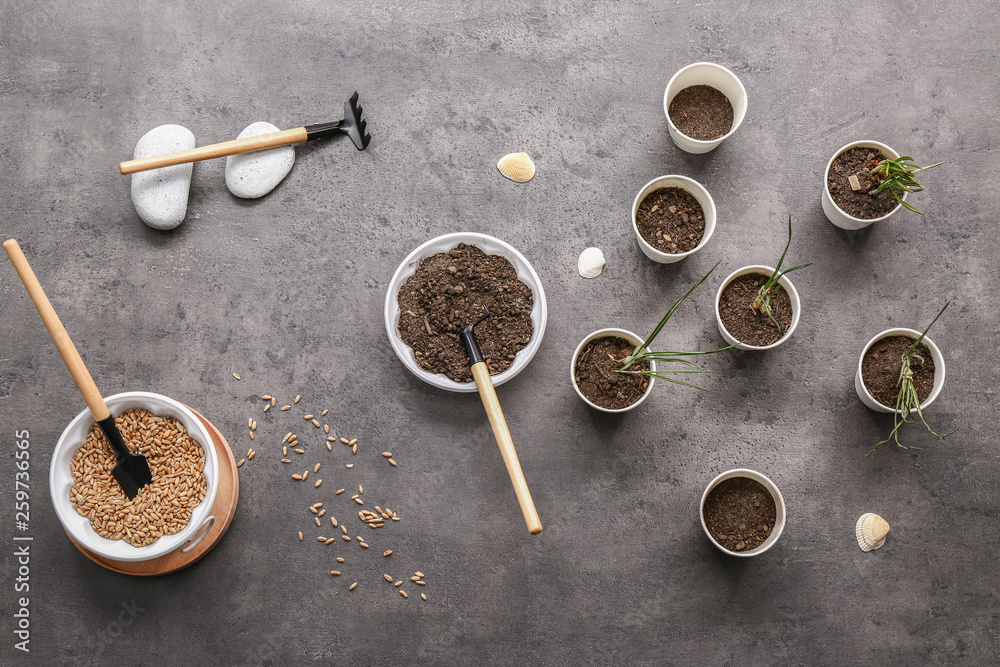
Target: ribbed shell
{"type": "Point", "coordinates": [591, 263]}
{"type": "Point", "coordinates": [518, 167]}
{"type": "Point", "coordinates": [871, 530]}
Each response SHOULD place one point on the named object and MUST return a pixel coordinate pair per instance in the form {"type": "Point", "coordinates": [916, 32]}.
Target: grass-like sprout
{"type": "Point", "coordinates": [643, 353]}
{"type": "Point", "coordinates": [762, 304]}
{"type": "Point", "coordinates": [907, 399]}
{"type": "Point", "coordinates": [897, 177]}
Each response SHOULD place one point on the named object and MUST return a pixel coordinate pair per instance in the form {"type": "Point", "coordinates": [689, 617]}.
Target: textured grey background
{"type": "Point", "coordinates": [288, 291]}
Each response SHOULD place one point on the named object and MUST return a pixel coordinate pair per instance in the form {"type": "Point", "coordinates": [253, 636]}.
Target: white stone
{"type": "Point", "coordinates": [253, 175]}
{"type": "Point", "coordinates": [160, 196]}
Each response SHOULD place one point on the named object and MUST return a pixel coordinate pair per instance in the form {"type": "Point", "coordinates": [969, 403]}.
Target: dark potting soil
{"type": "Point", "coordinates": [880, 370]}
{"type": "Point", "coordinates": [701, 112]}
{"type": "Point", "coordinates": [446, 293]}
{"type": "Point", "coordinates": [746, 324]}
{"type": "Point", "coordinates": [859, 161]}
{"type": "Point", "coordinates": [596, 377]}
{"type": "Point", "coordinates": [671, 220]}
{"type": "Point", "coordinates": [740, 513]}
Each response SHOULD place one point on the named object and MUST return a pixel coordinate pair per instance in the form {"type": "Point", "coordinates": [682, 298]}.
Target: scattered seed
{"type": "Point", "coordinates": [250, 424]}
{"type": "Point", "coordinates": [265, 397]}
{"type": "Point", "coordinates": [297, 398]}
{"type": "Point", "coordinates": [316, 519]}
{"type": "Point", "coordinates": [240, 462]}
{"type": "Point", "coordinates": [251, 435]}
{"type": "Point", "coordinates": [361, 489]}
{"type": "Point", "coordinates": [395, 518]}
{"type": "Point", "coordinates": [274, 401]}
{"type": "Point", "coordinates": [315, 423]}
{"type": "Point", "coordinates": [364, 544]}
{"type": "Point", "coordinates": [322, 512]}
{"type": "Point", "coordinates": [253, 425]}
{"type": "Point", "coordinates": [300, 535]}
{"type": "Point", "coordinates": [420, 575]}
{"type": "Point", "coordinates": [353, 442]}
{"type": "Point", "coordinates": [387, 578]}
{"type": "Point", "coordinates": [335, 573]}
{"type": "Point", "coordinates": [308, 417]}
{"type": "Point", "coordinates": [329, 447]}
{"type": "Point", "coordinates": [346, 538]}
{"type": "Point", "coordinates": [340, 491]}
{"type": "Point", "coordinates": [305, 475]}
{"type": "Point", "coordinates": [392, 463]}
{"type": "Point", "coordinates": [414, 578]}
{"type": "Point", "coordinates": [387, 455]}
{"type": "Point", "coordinates": [353, 586]}
{"type": "Point", "coordinates": [285, 408]}
{"type": "Point", "coordinates": [421, 583]}
{"type": "Point", "coordinates": [286, 460]}
{"type": "Point", "coordinates": [314, 510]}
{"type": "Point", "coordinates": [333, 520]}
{"type": "Point", "coordinates": [326, 428]}
{"type": "Point", "coordinates": [378, 509]}
{"type": "Point", "coordinates": [349, 465]}
{"type": "Point", "coordinates": [343, 529]}
{"type": "Point", "coordinates": [266, 408]}
{"type": "Point", "coordinates": [403, 593]}
{"type": "Point", "coordinates": [296, 476]}
{"type": "Point", "coordinates": [331, 540]}
{"type": "Point", "coordinates": [299, 450]}
{"type": "Point", "coordinates": [339, 559]}
{"type": "Point", "coordinates": [354, 448]}
{"type": "Point", "coordinates": [359, 501]}
{"type": "Point", "coordinates": [345, 441]}
{"type": "Point", "coordinates": [287, 437]}
{"type": "Point", "coordinates": [423, 597]}
{"type": "Point", "coordinates": [237, 376]}
{"type": "Point", "coordinates": [331, 439]}
{"type": "Point", "coordinates": [318, 482]}
{"type": "Point", "coordinates": [321, 538]}
{"type": "Point", "coordinates": [252, 453]}
{"type": "Point", "coordinates": [323, 414]}
{"type": "Point", "coordinates": [284, 450]}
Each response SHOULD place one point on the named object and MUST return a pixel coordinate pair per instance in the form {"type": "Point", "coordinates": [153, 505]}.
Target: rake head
{"type": "Point", "coordinates": [352, 125]}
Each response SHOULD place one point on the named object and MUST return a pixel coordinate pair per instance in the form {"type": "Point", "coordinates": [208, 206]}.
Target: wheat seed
{"type": "Point", "coordinates": [238, 464]}
{"type": "Point", "coordinates": [392, 463]}
{"type": "Point", "coordinates": [318, 482]}
{"type": "Point", "coordinates": [335, 573]}
{"type": "Point", "coordinates": [314, 510]}
{"type": "Point", "coordinates": [316, 519]}
{"type": "Point", "coordinates": [265, 397]}
{"type": "Point", "coordinates": [353, 586]}
{"type": "Point", "coordinates": [299, 450]}
{"type": "Point", "coordinates": [251, 435]}
{"type": "Point", "coordinates": [387, 552]}
{"type": "Point", "coordinates": [403, 593]}
{"type": "Point", "coordinates": [423, 597]}
{"type": "Point", "coordinates": [339, 559]}
{"type": "Point", "coordinates": [286, 460]}
{"type": "Point", "coordinates": [308, 417]}
{"type": "Point", "coordinates": [266, 408]}
{"type": "Point", "coordinates": [285, 408]}
{"type": "Point", "coordinates": [237, 376]}
{"type": "Point", "coordinates": [387, 455]}
{"type": "Point", "coordinates": [333, 520]}
{"type": "Point", "coordinates": [297, 398]}
{"type": "Point", "coordinates": [340, 491]}
{"type": "Point", "coordinates": [315, 423]}
{"type": "Point", "coordinates": [300, 535]}
{"type": "Point", "coordinates": [252, 453]}
{"type": "Point", "coordinates": [296, 476]}
{"type": "Point", "coordinates": [354, 448]}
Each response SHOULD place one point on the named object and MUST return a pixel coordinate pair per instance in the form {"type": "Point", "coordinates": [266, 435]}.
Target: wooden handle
{"type": "Point", "coordinates": [502, 434]}
{"type": "Point", "coordinates": [70, 356]}
{"type": "Point", "coordinates": [234, 147]}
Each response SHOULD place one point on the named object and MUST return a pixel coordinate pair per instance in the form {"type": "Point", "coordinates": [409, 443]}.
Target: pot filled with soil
{"type": "Point", "coordinates": [442, 286]}
{"type": "Point", "coordinates": [747, 327]}
{"type": "Point", "coordinates": [704, 103]}
{"type": "Point", "coordinates": [673, 217]}
{"type": "Point", "coordinates": [742, 512]}
{"type": "Point", "coordinates": [594, 366]}
{"type": "Point", "coordinates": [613, 370]}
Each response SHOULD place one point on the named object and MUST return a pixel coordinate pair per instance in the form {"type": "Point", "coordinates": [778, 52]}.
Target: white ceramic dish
{"type": "Point", "coordinates": [869, 400]}
{"type": "Point", "coordinates": [779, 507]}
{"type": "Point", "coordinates": [696, 190]}
{"type": "Point", "coordinates": [491, 246]}
{"type": "Point", "coordinates": [603, 333]}
{"type": "Point", "coordinates": [717, 77]}
{"type": "Point", "coordinates": [61, 480]}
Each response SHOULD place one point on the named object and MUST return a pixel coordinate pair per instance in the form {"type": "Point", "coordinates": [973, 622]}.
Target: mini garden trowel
{"type": "Point", "coordinates": [352, 125]}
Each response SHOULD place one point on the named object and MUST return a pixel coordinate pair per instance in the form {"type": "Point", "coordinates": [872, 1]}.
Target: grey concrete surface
{"type": "Point", "coordinates": [288, 291]}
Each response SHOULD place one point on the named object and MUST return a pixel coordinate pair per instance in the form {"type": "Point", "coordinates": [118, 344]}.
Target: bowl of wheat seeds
{"type": "Point", "coordinates": [172, 513]}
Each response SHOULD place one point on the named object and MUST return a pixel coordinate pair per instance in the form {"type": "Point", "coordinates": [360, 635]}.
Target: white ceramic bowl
{"type": "Point", "coordinates": [698, 191]}
{"type": "Point", "coordinates": [603, 333]}
{"type": "Point", "coordinates": [61, 480]}
{"type": "Point", "coordinates": [779, 509]}
{"type": "Point", "coordinates": [833, 212]}
{"type": "Point", "coordinates": [491, 246]}
{"type": "Point", "coordinates": [717, 77]}
{"type": "Point", "coordinates": [869, 400]}
{"type": "Point", "coordinates": [783, 281]}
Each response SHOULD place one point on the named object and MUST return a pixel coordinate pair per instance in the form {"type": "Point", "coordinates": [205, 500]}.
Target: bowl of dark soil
{"type": "Point", "coordinates": [445, 284]}
{"type": "Point", "coordinates": [673, 217]}
{"type": "Point", "coordinates": [750, 328]}
{"type": "Point", "coordinates": [704, 103]}
{"type": "Point", "coordinates": [877, 377]}
{"type": "Point", "coordinates": [742, 512]}
{"type": "Point", "coordinates": [594, 377]}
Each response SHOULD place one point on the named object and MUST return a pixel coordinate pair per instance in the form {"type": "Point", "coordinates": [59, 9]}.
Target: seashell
{"type": "Point", "coordinates": [871, 530]}
{"type": "Point", "coordinates": [518, 167]}
{"type": "Point", "coordinates": [591, 263]}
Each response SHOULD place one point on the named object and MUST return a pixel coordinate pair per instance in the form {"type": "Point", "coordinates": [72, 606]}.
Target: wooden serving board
{"type": "Point", "coordinates": [223, 510]}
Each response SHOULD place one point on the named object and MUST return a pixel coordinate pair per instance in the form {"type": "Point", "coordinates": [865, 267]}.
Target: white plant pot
{"type": "Point", "coordinates": [793, 295]}
{"type": "Point", "coordinates": [696, 190]}
{"type": "Point", "coordinates": [833, 212]}
{"type": "Point", "coordinates": [61, 480]}
{"type": "Point", "coordinates": [936, 355]}
{"type": "Point", "coordinates": [604, 333]}
{"type": "Point", "coordinates": [490, 246]}
{"type": "Point", "coordinates": [717, 77]}
{"type": "Point", "coordinates": [779, 508]}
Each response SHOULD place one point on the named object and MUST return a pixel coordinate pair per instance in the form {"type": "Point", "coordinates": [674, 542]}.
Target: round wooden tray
{"type": "Point", "coordinates": [223, 510]}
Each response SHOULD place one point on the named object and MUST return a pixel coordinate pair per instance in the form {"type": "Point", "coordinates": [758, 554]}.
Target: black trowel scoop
{"type": "Point", "coordinates": [492, 404]}
{"type": "Point", "coordinates": [132, 471]}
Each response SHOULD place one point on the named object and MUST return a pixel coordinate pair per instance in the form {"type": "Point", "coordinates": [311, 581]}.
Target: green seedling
{"type": "Point", "coordinates": [643, 353]}
{"type": "Point", "coordinates": [762, 304]}
{"type": "Point", "coordinates": [897, 177]}
{"type": "Point", "coordinates": [907, 401]}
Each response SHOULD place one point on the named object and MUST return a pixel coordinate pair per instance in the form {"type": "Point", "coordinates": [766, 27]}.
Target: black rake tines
{"type": "Point", "coordinates": [351, 124]}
